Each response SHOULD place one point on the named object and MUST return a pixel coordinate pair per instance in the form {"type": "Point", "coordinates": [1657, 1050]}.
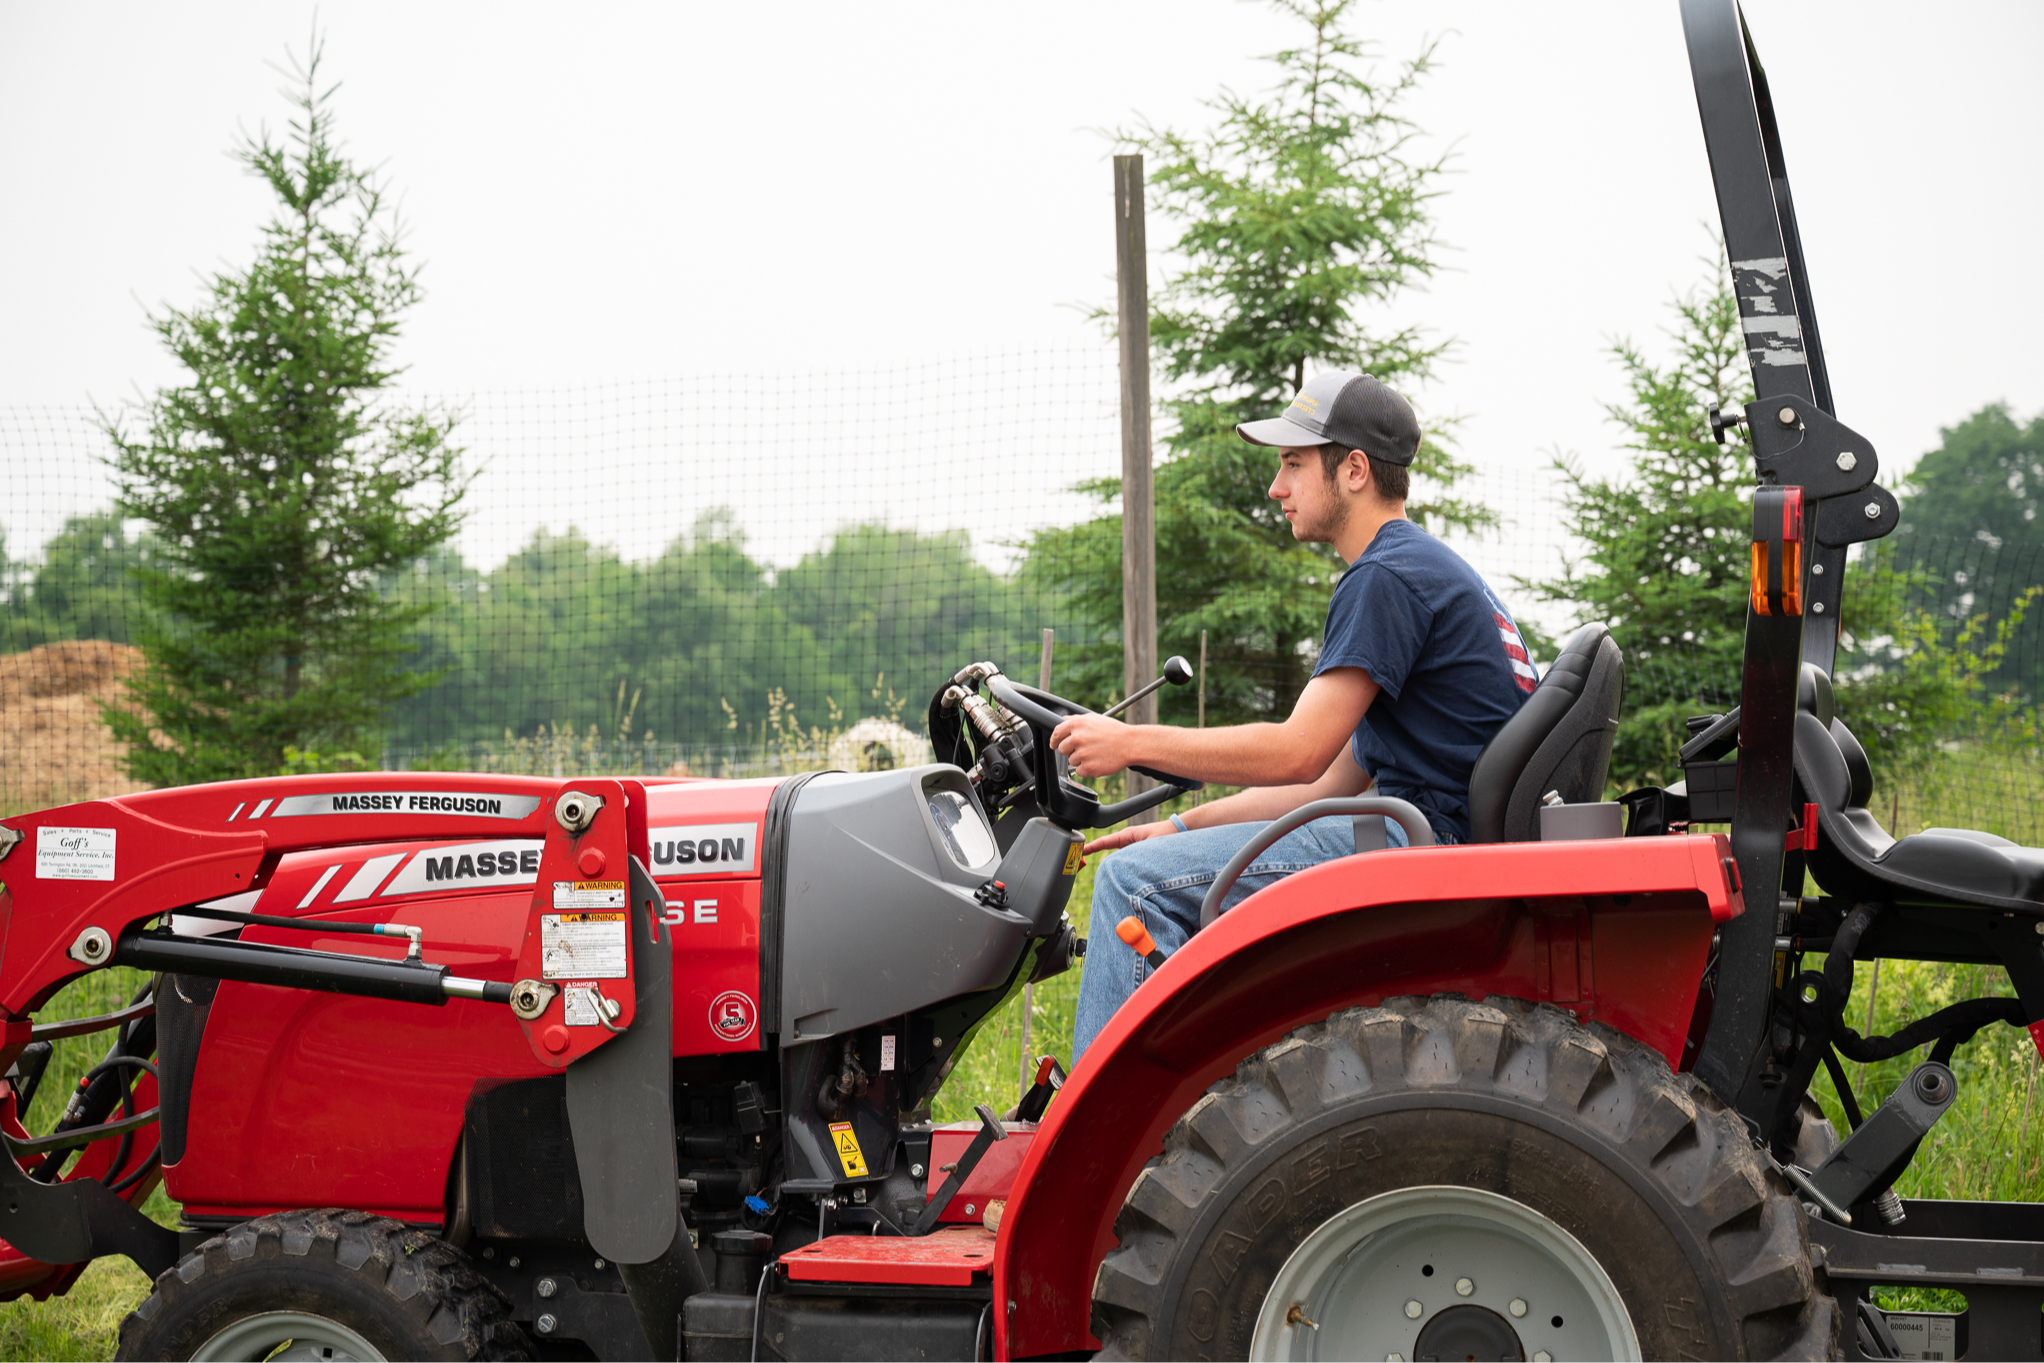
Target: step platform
{"type": "Point", "coordinates": [954, 1257]}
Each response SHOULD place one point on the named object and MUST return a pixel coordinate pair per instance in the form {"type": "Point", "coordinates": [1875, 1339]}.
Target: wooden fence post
{"type": "Point", "coordinates": [1138, 507]}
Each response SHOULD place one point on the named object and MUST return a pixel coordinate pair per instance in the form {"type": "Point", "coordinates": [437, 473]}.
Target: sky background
{"type": "Point", "coordinates": [639, 192]}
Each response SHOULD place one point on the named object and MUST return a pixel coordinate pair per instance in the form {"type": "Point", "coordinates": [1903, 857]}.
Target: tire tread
{"type": "Point", "coordinates": [426, 1281]}
{"type": "Point", "coordinates": [1664, 1125]}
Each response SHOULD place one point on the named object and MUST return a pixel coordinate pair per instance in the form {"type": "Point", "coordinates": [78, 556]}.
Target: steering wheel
{"type": "Point", "coordinates": [1064, 801]}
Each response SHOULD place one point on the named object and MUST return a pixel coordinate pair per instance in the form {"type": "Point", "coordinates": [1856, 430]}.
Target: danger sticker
{"type": "Point", "coordinates": [848, 1152]}
{"type": "Point", "coordinates": [74, 853]}
{"type": "Point", "coordinates": [587, 946]}
{"type": "Point", "coordinates": [589, 894]}
{"type": "Point", "coordinates": [579, 1008]}
{"type": "Point", "coordinates": [1075, 858]}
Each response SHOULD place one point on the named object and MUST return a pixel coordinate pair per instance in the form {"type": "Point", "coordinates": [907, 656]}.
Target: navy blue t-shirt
{"type": "Point", "coordinates": [1449, 664]}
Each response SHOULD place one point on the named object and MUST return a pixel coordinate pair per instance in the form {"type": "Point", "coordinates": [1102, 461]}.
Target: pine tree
{"type": "Point", "coordinates": [1667, 554]}
{"type": "Point", "coordinates": [1302, 210]}
{"type": "Point", "coordinates": [281, 482]}
{"type": "Point", "coordinates": [1667, 559]}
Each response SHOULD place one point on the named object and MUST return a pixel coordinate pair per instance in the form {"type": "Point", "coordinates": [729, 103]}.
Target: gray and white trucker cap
{"type": "Point", "coordinates": [1348, 409]}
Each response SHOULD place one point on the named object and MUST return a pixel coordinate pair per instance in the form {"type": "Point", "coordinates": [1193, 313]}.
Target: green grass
{"type": "Point", "coordinates": [85, 1322]}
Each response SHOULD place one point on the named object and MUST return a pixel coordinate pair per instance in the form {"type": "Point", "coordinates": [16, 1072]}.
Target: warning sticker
{"type": "Point", "coordinates": [585, 946]}
{"type": "Point", "coordinates": [74, 853]}
{"type": "Point", "coordinates": [589, 894]}
{"type": "Point", "coordinates": [848, 1153]}
{"type": "Point", "coordinates": [579, 1007]}
{"type": "Point", "coordinates": [1075, 858]}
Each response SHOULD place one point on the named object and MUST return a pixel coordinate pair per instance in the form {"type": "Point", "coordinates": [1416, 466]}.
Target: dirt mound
{"type": "Point", "coordinates": [53, 748]}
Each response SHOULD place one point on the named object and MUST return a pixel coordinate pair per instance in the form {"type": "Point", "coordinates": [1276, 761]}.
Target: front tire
{"type": "Point", "coordinates": [323, 1285]}
{"type": "Point", "coordinates": [1531, 1185]}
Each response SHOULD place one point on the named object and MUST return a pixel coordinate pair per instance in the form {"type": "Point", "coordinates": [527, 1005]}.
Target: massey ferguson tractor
{"type": "Point", "coordinates": [447, 1066]}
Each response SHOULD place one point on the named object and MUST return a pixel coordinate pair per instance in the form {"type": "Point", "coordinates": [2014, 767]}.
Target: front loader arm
{"type": "Point", "coordinates": [80, 886]}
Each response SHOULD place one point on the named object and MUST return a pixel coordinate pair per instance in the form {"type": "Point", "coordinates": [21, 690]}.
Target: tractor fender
{"type": "Point", "coordinates": [1616, 931]}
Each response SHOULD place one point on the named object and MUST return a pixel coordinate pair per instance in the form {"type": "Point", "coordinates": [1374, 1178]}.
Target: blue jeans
{"type": "Point", "coordinates": [1162, 881]}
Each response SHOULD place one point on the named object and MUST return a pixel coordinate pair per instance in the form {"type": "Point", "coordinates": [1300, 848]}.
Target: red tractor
{"type": "Point", "coordinates": [469, 1066]}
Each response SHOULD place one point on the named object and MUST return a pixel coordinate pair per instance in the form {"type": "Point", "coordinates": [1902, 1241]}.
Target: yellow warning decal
{"type": "Point", "coordinates": [1075, 858]}
{"type": "Point", "coordinates": [589, 894]}
{"type": "Point", "coordinates": [848, 1149]}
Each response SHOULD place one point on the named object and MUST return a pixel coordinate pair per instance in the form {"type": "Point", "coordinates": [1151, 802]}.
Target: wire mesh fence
{"type": "Point", "coordinates": [743, 574]}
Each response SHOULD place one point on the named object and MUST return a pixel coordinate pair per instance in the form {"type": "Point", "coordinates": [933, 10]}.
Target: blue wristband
{"type": "Point", "coordinates": [1179, 824]}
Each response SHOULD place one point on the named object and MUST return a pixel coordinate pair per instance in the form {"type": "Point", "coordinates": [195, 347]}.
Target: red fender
{"type": "Point", "coordinates": [1618, 932]}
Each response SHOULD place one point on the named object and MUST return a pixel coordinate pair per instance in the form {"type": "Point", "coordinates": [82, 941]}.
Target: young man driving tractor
{"type": "Point", "coordinates": [1419, 666]}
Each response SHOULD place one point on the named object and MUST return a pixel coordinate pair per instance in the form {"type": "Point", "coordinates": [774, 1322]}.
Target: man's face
{"type": "Point", "coordinates": [1312, 502]}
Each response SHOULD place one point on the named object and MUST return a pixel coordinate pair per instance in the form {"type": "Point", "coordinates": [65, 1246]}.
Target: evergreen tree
{"type": "Point", "coordinates": [1667, 544]}
{"type": "Point", "coordinates": [1301, 210]}
{"type": "Point", "coordinates": [1667, 559]}
{"type": "Point", "coordinates": [283, 486]}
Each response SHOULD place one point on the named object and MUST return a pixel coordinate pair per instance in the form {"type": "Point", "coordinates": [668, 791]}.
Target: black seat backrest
{"type": "Point", "coordinates": [1560, 740]}
{"type": "Point", "coordinates": [1814, 698]}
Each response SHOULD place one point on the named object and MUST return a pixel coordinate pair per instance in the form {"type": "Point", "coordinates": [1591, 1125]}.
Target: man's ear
{"type": "Point", "coordinates": [1356, 471]}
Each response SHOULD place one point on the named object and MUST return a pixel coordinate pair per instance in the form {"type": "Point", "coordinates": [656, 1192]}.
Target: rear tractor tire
{"type": "Point", "coordinates": [323, 1285]}
{"type": "Point", "coordinates": [1439, 1178]}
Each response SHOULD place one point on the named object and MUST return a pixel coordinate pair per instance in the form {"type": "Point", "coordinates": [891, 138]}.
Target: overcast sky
{"type": "Point", "coordinates": [618, 191]}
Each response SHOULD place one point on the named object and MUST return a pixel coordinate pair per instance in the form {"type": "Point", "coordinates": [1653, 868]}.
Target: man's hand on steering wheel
{"type": "Point", "coordinates": [1093, 745]}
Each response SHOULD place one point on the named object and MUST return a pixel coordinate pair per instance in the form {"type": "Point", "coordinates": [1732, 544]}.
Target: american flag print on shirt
{"type": "Point", "coordinates": [1523, 671]}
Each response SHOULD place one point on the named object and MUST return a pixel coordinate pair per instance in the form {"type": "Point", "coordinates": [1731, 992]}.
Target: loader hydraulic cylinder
{"type": "Point", "coordinates": [296, 968]}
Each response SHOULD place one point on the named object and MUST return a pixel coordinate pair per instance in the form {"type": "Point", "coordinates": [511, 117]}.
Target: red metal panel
{"type": "Point", "coordinates": [712, 909]}
{"type": "Point", "coordinates": [714, 927]}
{"type": "Point", "coordinates": [991, 1179]}
{"type": "Point", "coordinates": [303, 1099]}
{"type": "Point", "coordinates": [1466, 920]}
{"type": "Point", "coordinates": [947, 1258]}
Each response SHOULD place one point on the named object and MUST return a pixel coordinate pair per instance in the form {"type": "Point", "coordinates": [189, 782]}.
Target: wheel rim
{"type": "Point", "coordinates": [287, 1337]}
{"type": "Point", "coordinates": [1505, 1282]}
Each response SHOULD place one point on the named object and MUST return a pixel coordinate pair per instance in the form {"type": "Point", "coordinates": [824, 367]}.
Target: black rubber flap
{"type": "Point", "coordinates": [72, 1223]}
{"type": "Point", "coordinates": [621, 1106]}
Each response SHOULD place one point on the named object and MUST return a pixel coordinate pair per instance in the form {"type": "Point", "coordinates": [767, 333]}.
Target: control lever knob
{"type": "Point", "coordinates": [1177, 672]}
{"type": "Point", "coordinates": [1723, 419]}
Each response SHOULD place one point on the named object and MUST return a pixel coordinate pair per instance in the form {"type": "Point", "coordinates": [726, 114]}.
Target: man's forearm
{"type": "Point", "coordinates": [1258, 804]}
{"type": "Point", "coordinates": [1240, 755]}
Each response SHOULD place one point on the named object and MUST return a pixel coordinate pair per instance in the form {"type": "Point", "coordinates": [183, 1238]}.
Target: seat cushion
{"type": "Point", "coordinates": [1965, 866]}
{"type": "Point", "coordinates": [1856, 856]}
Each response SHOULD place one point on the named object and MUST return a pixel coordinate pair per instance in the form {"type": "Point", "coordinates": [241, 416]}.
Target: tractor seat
{"type": "Point", "coordinates": [1560, 740]}
{"type": "Point", "coordinates": [1856, 856]}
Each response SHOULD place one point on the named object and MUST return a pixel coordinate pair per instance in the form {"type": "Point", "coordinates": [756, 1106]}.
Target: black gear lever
{"type": "Point", "coordinates": [1177, 671]}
